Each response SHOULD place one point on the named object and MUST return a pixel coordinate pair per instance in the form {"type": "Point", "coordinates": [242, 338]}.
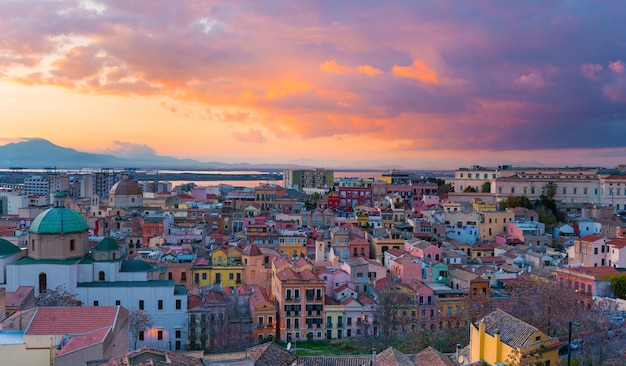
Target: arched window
{"type": "Point", "coordinates": [43, 283]}
{"type": "Point", "coordinates": [101, 276]}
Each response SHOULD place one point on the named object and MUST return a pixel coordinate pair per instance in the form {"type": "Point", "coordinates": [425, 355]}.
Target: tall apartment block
{"type": "Point", "coordinates": [308, 178]}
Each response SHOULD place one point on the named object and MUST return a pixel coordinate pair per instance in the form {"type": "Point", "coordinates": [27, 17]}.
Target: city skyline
{"type": "Point", "coordinates": [417, 85]}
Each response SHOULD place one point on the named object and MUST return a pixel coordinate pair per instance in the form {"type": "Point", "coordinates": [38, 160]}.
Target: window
{"type": "Point", "coordinates": [96, 303]}
{"type": "Point", "coordinates": [178, 304]}
{"type": "Point", "coordinates": [141, 305]}
{"type": "Point", "coordinates": [101, 276]}
{"type": "Point", "coordinates": [72, 244]}
{"type": "Point", "coordinates": [118, 303]}
{"type": "Point", "coordinates": [160, 335]}
{"type": "Point", "coordinates": [141, 335]}
{"type": "Point", "coordinates": [204, 275]}
{"type": "Point", "coordinates": [183, 276]}
{"type": "Point", "coordinates": [160, 304]}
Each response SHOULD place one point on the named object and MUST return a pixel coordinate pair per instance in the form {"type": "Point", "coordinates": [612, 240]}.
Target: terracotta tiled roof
{"type": "Point", "coordinates": [618, 243]}
{"type": "Point", "coordinates": [154, 357]}
{"type": "Point", "coordinates": [513, 331]}
{"type": "Point", "coordinates": [81, 341]}
{"type": "Point", "coordinates": [270, 354]}
{"type": "Point", "coordinates": [591, 238]}
{"type": "Point", "coordinates": [258, 296]}
{"type": "Point", "coordinates": [71, 319]}
{"type": "Point", "coordinates": [431, 357]}
{"type": "Point", "coordinates": [15, 298]}
{"type": "Point", "coordinates": [393, 357]}
{"type": "Point", "coordinates": [395, 252]}
{"type": "Point", "coordinates": [334, 360]}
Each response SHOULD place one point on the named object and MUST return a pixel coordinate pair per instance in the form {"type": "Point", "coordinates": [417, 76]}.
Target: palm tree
{"type": "Point", "coordinates": [550, 189]}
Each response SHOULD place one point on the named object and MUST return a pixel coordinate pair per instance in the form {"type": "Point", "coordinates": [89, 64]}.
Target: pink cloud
{"type": "Point", "coordinates": [591, 70]}
{"type": "Point", "coordinates": [616, 66]}
{"type": "Point", "coordinates": [532, 80]}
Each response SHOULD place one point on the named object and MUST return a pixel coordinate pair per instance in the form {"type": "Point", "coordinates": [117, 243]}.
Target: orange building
{"type": "Point", "coordinates": [263, 313]}
{"type": "Point", "coordinates": [299, 295]}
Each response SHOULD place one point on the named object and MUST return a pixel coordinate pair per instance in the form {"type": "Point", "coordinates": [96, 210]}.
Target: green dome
{"type": "Point", "coordinates": [58, 220]}
{"type": "Point", "coordinates": [106, 244]}
{"type": "Point", "coordinates": [7, 248]}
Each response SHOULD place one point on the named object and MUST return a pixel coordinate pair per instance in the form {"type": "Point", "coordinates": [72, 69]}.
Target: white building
{"type": "Point", "coordinates": [59, 255]}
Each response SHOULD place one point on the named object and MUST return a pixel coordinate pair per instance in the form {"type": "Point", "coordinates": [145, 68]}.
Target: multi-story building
{"type": "Point", "coordinates": [308, 178]}
{"type": "Point", "coordinates": [102, 182]}
{"type": "Point", "coordinates": [383, 239]}
{"type": "Point", "coordinates": [597, 251]}
{"type": "Point", "coordinates": [264, 314]}
{"type": "Point", "coordinates": [494, 223]}
{"type": "Point", "coordinates": [589, 282]}
{"type": "Point", "coordinates": [299, 295]}
{"type": "Point", "coordinates": [613, 191]}
{"type": "Point", "coordinates": [60, 255]}
{"type": "Point", "coordinates": [396, 177]}
{"type": "Point", "coordinates": [355, 196]}
{"type": "Point", "coordinates": [38, 185]}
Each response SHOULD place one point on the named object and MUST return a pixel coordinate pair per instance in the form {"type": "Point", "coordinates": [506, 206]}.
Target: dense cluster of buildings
{"type": "Point", "coordinates": [221, 267]}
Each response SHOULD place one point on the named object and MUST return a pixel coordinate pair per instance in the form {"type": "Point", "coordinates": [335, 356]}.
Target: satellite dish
{"type": "Point", "coordinates": [289, 346]}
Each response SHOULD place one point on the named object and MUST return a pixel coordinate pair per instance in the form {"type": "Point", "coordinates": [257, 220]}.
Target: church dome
{"type": "Point", "coordinates": [58, 220]}
{"type": "Point", "coordinates": [7, 248]}
{"type": "Point", "coordinates": [126, 187]}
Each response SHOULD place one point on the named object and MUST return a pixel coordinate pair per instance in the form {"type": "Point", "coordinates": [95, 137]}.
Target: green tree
{"type": "Point", "coordinates": [486, 187]}
{"type": "Point", "coordinates": [550, 189]}
{"type": "Point", "coordinates": [618, 285]}
{"type": "Point", "coordinates": [469, 190]}
{"type": "Point", "coordinates": [516, 201]}
{"type": "Point", "coordinates": [311, 202]}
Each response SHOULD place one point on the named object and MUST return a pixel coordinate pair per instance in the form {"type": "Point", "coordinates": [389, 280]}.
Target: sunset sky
{"type": "Point", "coordinates": [417, 84]}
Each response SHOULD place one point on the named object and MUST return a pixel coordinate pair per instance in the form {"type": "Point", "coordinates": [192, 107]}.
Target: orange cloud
{"type": "Point", "coordinates": [287, 87]}
{"type": "Point", "coordinates": [418, 70]}
{"type": "Point", "coordinates": [334, 67]}
{"type": "Point", "coordinates": [368, 70]}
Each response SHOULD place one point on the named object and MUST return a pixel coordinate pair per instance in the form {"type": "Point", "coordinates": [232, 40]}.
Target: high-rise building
{"type": "Point", "coordinates": [308, 178]}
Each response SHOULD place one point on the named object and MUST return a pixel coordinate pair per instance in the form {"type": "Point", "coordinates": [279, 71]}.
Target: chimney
{"type": "Point", "coordinates": [373, 356]}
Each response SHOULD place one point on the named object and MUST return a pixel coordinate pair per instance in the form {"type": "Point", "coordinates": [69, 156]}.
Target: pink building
{"type": "Point", "coordinates": [423, 249]}
{"type": "Point", "coordinates": [589, 282]}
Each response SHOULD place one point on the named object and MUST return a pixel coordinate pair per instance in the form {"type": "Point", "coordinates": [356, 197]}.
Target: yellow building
{"type": "Point", "coordinates": [494, 223]}
{"type": "Point", "coordinates": [227, 276]}
{"type": "Point", "coordinates": [500, 337]}
{"type": "Point", "coordinates": [382, 240]}
{"type": "Point", "coordinates": [292, 245]}
{"type": "Point", "coordinates": [225, 269]}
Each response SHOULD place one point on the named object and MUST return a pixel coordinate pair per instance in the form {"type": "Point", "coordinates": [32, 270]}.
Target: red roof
{"type": "Point", "coordinates": [71, 319]}
{"type": "Point", "coordinates": [78, 342]}
{"type": "Point", "coordinates": [591, 238]}
{"type": "Point", "coordinates": [619, 243]}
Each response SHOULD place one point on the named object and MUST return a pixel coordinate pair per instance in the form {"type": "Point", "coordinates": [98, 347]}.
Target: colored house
{"type": "Point", "coordinates": [500, 337]}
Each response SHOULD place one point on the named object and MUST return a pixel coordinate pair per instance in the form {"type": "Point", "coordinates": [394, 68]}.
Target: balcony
{"type": "Point", "coordinates": [339, 325]}
{"type": "Point", "coordinates": [329, 325]}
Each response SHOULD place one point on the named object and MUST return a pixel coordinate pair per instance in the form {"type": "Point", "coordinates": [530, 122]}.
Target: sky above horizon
{"type": "Point", "coordinates": [413, 84]}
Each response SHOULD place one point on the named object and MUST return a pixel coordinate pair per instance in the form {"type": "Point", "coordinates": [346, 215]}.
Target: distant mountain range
{"type": "Point", "coordinates": [41, 153]}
